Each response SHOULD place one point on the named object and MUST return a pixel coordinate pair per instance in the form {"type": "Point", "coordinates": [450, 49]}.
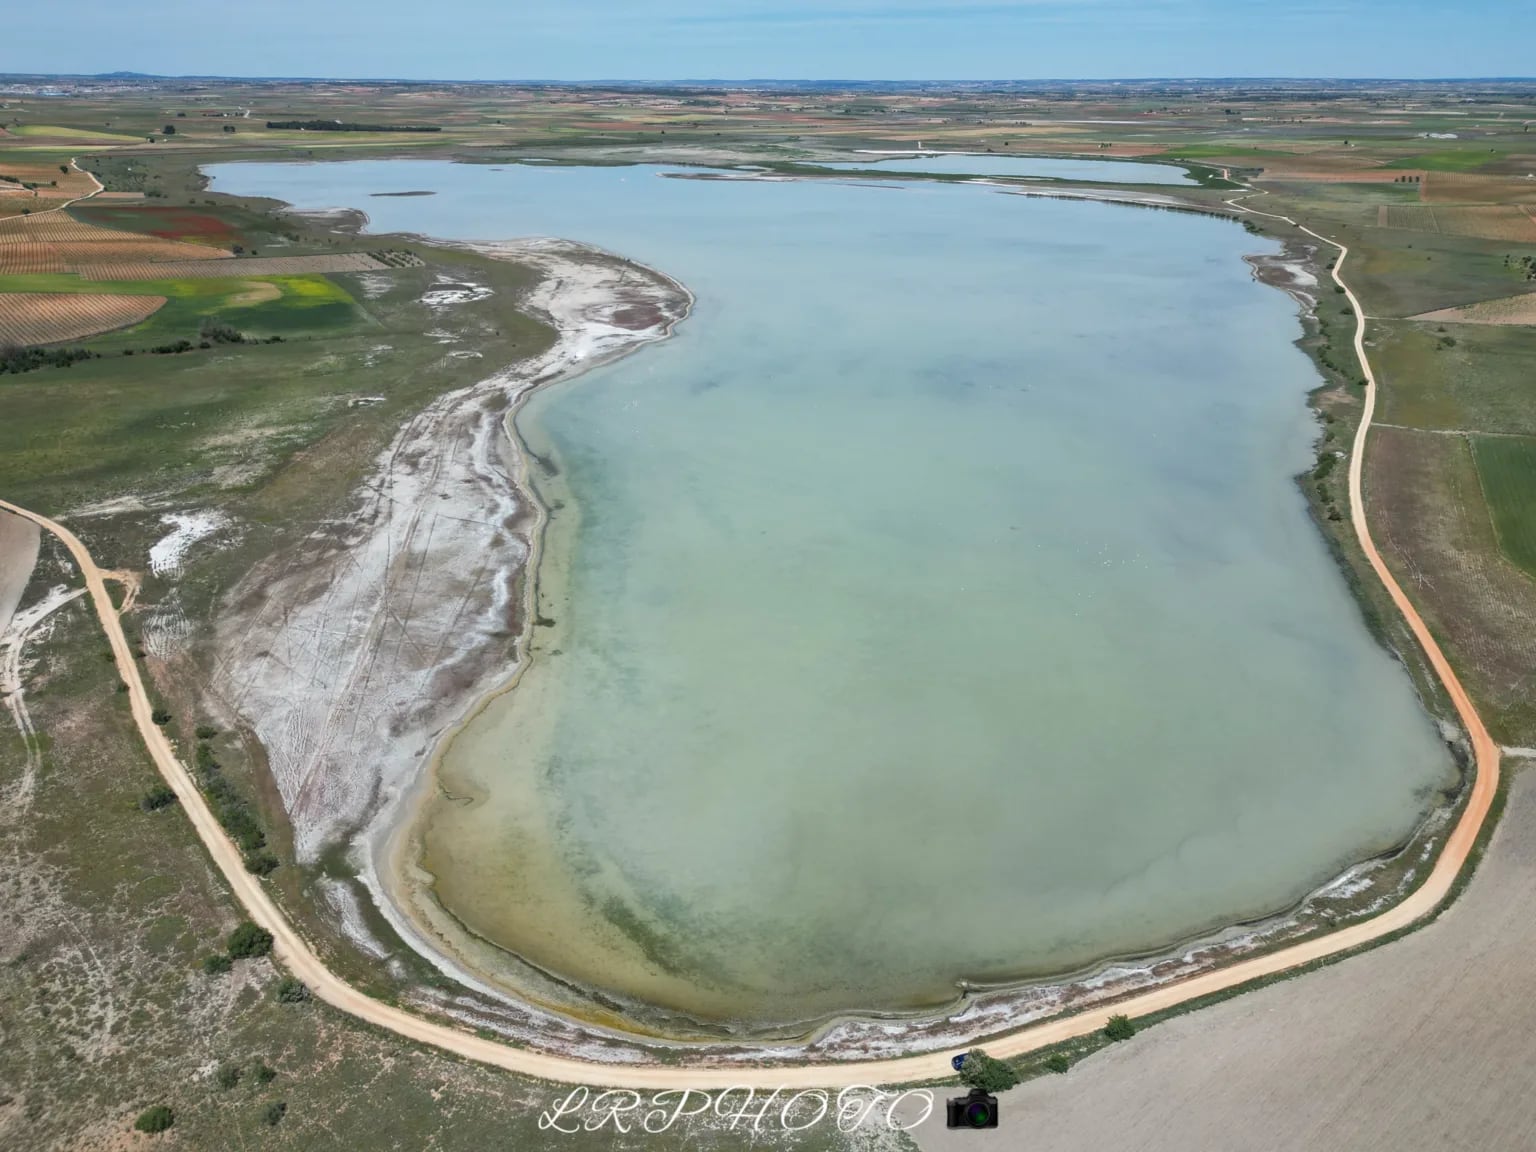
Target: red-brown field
{"type": "Point", "coordinates": [166, 223]}
{"type": "Point", "coordinates": [57, 242]}
{"type": "Point", "coordinates": [56, 317]}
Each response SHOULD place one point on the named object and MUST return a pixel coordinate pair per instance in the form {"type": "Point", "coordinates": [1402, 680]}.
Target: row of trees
{"type": "Point", "coordinates": [341, 126]}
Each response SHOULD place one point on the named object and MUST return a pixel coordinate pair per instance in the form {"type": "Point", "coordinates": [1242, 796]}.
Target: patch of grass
{"type": "Point", "coordinates": [1507, 468]}
{"type": "Point", "coordinates": [60, 132]}
{"type": "Point", "coordinates": [1450, 159]}
{"type": "Point", "coordinates": [1481, 381]}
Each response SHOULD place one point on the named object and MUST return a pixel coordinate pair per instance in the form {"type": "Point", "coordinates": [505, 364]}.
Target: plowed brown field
{"type": "Point", "coordinates": [57, 317]}
{"type": "Point", "coordinates": [1472, 188]}
{"type": "Point", "coordinates": [1519, 309]}
{"type": "Point", "coordinates": [57, 242]}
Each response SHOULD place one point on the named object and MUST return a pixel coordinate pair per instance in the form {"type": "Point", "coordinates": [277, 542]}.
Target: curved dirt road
{"type": "Point", "coordinates": [296, 955]}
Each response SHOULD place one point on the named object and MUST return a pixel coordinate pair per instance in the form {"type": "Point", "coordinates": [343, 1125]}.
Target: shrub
{"type": "Point", "coordinates": [1119, 1028]}
{"type": "Point", "coordinates": [217, 964]}
{"type": "Point", "coordinates": [261, 863]}
{"type": "Point", "coordinates": [160, 716]}
{"type": "Point", "coordinates": [273, 1113]}
{"type": "Point", "coordinates": [156, 798]}
{"type": "Point", "coordinates": [1058, 1063]}
{"type": "Point", "coordinates": [227, 1076]}
{"type": "Point", "coordinates": [156, 1119]}
{"type": "Point", "coordinates": [248, 940]}
{"type": "Point", "coordinates": [206, 731]}
{"type": "Point", "coordinates": [220, 333]}
{"type": "Point", "coordinates": [984, 1072]}
{"type": "Point", "coordinates": [292, 991]}
{"type": "Point", "coordinates": [262, 1074]}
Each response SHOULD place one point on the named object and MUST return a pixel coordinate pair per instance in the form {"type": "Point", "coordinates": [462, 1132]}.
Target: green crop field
{"type": "Point", "coordinates": [1506, 467]}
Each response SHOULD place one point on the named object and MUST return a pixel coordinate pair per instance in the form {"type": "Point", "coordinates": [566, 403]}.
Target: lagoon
{"type": "Point", "coordinates": [936, 606]}
{"type": "Point", "coordinates": [1035, 167]}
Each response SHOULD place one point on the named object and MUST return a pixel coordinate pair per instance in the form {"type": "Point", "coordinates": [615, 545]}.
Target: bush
{"type": "Point", "coordinates": [262, 1074]}
{"type": "Point", "coordinates": [206, 731]}
{"type": "Point", "coordinates": [248, 940]}
{"type": "Point", "coordinates": [273, 1113]}
{"type": "Point", "coordinates": [984, 1072]}
{"type": "Point", "coordinates": [227, 1076]}
{"type": "Point", "coordinates": [219, 332]}
{"type": "Point", "coordinates": [261, 863]}
{"type": "Point", "coordinates": [217, 964]}
{"type": "Point", "coordinates": [1119, 1028]}
{"type": "Point", "coordinates": [156, 1119]}
{"type": "Point", "coordinates": [1058, 1063]}
{"type": "Point", "coordinates": [160, 716]}
{"type": "Point", "coordinates": [158, 797]}
{"type": "Point", "coordinates": [292, 991]}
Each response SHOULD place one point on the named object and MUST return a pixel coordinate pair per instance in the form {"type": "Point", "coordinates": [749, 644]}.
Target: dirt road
{"type": "Point", "coordinates": [301, 960]}
{"type": "Point", "coordinates": [19, 540]}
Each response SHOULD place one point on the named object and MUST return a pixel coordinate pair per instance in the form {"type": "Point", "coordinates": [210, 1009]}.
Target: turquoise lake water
{"type": "Point", "coordinates": [937, 605]}
{"type": "Point", "coordinates": [1049, 167]}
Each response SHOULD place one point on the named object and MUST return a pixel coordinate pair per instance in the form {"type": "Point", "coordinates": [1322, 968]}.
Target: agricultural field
{"type": "Point", "coordinates": [1517, 309]}
{"type": "Point", "coordinates": [110, 268]}
{"type": "Point", "coordinates": [1489, 221]}
{"type": "Point", "coordinates": [166, 223]}
{"type": "Point", "coordinates": [57, 241]}
{"type": "Point", "coordinates": [1506, 465]}
{"type": "Point", "coordinates": [57, 317]}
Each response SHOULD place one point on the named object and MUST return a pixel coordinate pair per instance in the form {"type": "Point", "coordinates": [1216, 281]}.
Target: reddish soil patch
{"type": "Point", "coordinates": [166, 223]}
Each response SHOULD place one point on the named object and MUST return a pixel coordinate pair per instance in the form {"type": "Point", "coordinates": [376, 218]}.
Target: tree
{"type": "Point", "coordinates": [169, 130]}
{"type": "Point", "coordinates": [248, 940]}
{"type": "Point", "coordinates": [984, 1072]}
{"type": "Point", "coordinates": [273, 1113]}
{"type": "Point", "coordinates": [156, 1119]}
{"type": "Point", "coordinates": [1119, 1028]}
{"type": "Point", "coordinates": [160, 716]}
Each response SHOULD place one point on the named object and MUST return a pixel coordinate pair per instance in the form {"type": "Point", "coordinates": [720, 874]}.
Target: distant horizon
{"type": "Point", "coordinates": [716, 81]}
{"type": "Point", "coordinates": [882, 41]}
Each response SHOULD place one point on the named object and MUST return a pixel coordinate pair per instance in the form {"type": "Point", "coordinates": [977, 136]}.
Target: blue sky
{"type": "Point", "coordinates": [738, 39]}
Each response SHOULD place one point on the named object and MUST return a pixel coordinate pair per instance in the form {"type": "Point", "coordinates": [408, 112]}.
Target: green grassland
{"type": "Point", "coordinates": [1456, 377]}
{"type": "Point", "coordinates": [1506, 466]}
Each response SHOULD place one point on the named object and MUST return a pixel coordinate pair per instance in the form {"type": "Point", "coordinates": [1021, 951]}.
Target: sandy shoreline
{"type": "Point", "coordinates": [460, 454]}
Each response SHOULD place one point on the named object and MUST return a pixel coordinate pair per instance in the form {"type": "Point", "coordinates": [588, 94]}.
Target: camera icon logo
{"type": "Point", "coordinates": [978, 1109]}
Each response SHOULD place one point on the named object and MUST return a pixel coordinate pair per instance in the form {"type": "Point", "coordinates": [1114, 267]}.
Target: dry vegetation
{"type": "Point", "coordinates": [1487, 221]}
{"type": "Point", "coordinates": [1476, 188]}
{"type": "Point", "coordinates": [54, 186]}
{"type": "Point", "coordinates": [56, 317]}
{"type": "Point", "coordinates": [1520, 309]}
